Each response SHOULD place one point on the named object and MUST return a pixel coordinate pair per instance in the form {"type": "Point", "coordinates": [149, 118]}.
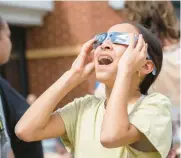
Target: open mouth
{"type": "Point", "coordinates": [105, 60]}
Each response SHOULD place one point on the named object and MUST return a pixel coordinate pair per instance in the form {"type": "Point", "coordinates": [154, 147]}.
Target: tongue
{"type": "Point", "coordinates": [105, 61]}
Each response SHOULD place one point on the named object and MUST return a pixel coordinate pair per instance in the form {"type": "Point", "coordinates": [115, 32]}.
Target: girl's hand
{"type": "Point", "coordinates": [83, 65]}
{"type": "Point", "coordinates": [134, 57]}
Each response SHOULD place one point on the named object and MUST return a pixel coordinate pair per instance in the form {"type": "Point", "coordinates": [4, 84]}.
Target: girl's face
{"type": "Point", "coordinates": [5, 43]}
{"type": "Point", "coordinates": [107, 55]}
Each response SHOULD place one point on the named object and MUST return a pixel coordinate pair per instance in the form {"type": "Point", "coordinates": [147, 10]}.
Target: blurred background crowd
{"type": "Point", "coordinates": [47, 36]}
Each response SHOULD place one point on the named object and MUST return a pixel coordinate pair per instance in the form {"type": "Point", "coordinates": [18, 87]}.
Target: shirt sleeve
{"type": "Point", "coordinates": [153, 119]}
{"type": "Point", "coordinates": [69, 113]}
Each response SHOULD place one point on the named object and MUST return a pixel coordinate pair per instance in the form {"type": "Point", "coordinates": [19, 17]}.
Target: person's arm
{"type": "Point", "coordinates": [39, 122]}
{"type": "Point", "coordinates": [116, 129]}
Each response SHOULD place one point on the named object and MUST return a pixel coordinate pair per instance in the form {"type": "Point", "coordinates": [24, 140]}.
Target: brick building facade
{"type": "Point", "coordinates": [52, 48]}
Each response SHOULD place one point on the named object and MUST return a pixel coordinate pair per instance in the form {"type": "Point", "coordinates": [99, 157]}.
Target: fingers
{"type": "Point", "coordinates": [89, 68]}
{"type": "Point", "coordinates": [143, 51]}
{"type": "Point", "coordinates": [91, 54]}
{"type": "Point", "coordinates": [141, 48]}
{"type": "Point", "coordinates": [140, 43]}
{"type": "Point", "coordinates": [87, 47]}
{"type": "Point", "coordinates": [146, 51]}
{"type": "Point", "coordinates": [132, 41]}
{"type": "Point", "coordinates": [80, 61]}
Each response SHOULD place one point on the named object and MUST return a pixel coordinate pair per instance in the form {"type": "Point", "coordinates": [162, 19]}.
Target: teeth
{"type": "Point", "coordinates": [105, 60]}
{"type": "Point", "coordinates": [105, 57]}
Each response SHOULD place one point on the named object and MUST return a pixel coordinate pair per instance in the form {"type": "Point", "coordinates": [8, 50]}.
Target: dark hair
{"type": "Point", "coordinates": [155, 53]}
{"type": "Point", "coordinates": [158, 16]}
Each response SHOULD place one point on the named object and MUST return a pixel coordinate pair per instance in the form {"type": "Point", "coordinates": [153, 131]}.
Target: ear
{"type": "Point", "coordinates": [147, 68]}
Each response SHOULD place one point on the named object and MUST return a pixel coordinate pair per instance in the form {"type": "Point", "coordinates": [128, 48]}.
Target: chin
{"type": "Point", "coordinates": [105, 77]}
{"type": "Point", "coordinates": [4, 60]}
{"type": "Point", "coordinates": [4, 57]}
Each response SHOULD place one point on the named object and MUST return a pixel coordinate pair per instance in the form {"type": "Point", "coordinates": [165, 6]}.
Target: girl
{"type": "Point", "coordinates": [128, 123]}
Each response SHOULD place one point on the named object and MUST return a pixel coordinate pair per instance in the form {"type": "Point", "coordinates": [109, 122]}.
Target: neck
{"type": "Point", "coordinates": [134, 94]}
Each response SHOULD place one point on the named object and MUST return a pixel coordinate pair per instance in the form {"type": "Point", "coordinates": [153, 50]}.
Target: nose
{"type": "Point", "coordinates": [106, 45]}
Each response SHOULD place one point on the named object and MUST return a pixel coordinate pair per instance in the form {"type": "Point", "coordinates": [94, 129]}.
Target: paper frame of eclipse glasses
{"type": "Point", "coordinates": [116, 38]}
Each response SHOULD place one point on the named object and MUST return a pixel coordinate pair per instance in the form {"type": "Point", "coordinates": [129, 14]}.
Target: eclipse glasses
{"type": "Point", "coordinates": [117, 38]}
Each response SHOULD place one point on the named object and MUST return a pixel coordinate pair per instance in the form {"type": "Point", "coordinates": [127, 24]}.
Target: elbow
{"type": "Point", "coordinates": [112, 140]}
{"type": "Point", "coordinates": [107, 142]}
{"type": "Point", "coordinates": [23, 134]}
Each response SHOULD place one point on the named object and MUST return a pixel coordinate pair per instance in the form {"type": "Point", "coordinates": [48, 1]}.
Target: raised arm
{"type": "Point", "coordinates": [39, 122]}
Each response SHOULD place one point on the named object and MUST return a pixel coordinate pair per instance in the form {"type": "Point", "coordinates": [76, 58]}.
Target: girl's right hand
{"type": "Point", "coordinates": [83, 65]}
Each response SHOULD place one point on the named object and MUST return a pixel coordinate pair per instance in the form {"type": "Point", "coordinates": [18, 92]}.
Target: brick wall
{"type": "Point", "coordinates": [71, 23]}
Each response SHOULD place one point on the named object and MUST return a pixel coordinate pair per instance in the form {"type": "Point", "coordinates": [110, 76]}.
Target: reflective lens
{"type": "Point", "coordinates": [114, 37]}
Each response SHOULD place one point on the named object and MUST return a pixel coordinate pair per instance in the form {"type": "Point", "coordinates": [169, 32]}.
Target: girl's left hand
{"type": "Point", "coordinates": [134, 57]}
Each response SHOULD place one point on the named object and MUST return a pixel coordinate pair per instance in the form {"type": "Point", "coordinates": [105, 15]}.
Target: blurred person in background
{"type": "Point", "coordinates": [128, 123]}
{"type": "Point", "coordinates": [160, 18]}
{"type": "Point", "coordinates": [12, 107]}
